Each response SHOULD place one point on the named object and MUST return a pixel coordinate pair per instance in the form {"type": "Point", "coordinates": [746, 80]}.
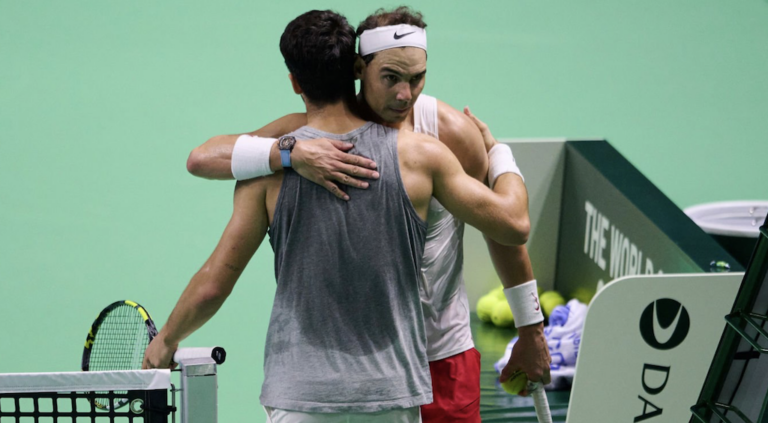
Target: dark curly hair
{"type": "Point", "coordinates": [401, 15]}
{"type": "Point", "coordinates": [319, 50]}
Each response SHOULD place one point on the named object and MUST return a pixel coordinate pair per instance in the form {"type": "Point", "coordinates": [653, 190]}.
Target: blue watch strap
{"type": "Point", "coordinates": [285, 158]}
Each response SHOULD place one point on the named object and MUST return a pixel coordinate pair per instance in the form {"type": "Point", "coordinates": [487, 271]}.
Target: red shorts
{"type": "Point", "coordinates": [455, 389]}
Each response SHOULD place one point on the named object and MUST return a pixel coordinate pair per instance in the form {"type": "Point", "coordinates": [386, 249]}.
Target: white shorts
{"type": "Point", "coordinates": [405, 415]}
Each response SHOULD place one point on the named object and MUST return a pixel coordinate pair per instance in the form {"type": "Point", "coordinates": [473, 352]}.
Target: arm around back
{"type": "Point", "coordinates": [213, 159]}
{"type": "Point", "coordinates": [322, 161]}
{"type": "Point", "coordinates": [463, 135]}
{"type": "Point", "coordinates": [468, 199]}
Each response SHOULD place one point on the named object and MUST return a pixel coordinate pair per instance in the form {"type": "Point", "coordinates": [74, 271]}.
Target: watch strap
{"type": "Point", "coordinates": [285, 158]}
{"type": "Point", "coordinates": [286, 144]}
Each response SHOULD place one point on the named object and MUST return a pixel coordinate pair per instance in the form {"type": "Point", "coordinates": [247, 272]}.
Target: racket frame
{"type": "Point", "coordinates": [91, 338]}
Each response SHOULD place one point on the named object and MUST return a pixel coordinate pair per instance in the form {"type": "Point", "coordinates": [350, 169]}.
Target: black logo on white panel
{"type": "Point", "coordinates": [399, 36]}
{"type": "Point", "coordinates": [664, 324]}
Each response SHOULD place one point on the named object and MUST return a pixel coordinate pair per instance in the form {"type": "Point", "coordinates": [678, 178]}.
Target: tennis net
{"type": "Point", "coordinates": [74, 397]}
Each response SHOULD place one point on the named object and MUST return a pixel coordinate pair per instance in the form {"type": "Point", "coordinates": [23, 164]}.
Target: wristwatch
{"type": "Point", "coordinates": [285, 145]}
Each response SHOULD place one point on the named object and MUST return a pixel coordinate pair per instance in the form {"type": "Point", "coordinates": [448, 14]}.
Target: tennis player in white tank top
{"type": "Point", "coordinates": [454, 362]}
{"type": "Point", "coordinates": [444, 298]}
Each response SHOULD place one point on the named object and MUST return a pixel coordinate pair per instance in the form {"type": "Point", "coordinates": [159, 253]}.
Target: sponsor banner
{"type": "Point", "coordinates": [615, 223]}
{"type": "Point", "coordinates": [647, 345]}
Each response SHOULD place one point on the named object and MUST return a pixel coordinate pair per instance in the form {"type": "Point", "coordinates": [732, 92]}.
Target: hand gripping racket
{"type": "Point", "coordinates": [540, 402]}
{"type": "Point", "coordinates": [117, 341]}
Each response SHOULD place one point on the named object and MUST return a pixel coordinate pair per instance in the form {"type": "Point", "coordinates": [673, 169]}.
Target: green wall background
{"type": "Point", "coordinates": [101, 102]}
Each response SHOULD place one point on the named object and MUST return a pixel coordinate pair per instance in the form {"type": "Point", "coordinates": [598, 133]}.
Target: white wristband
{"type": "Point", "coordinates": [501, 161]}
{"type": "Point", "coordinates": [524, 301]}
{"type": "Point", "coordinates": [250, 157]}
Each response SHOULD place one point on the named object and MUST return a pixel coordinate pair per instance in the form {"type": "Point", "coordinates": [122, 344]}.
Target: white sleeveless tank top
{"type": "Point", "coordinates": [443, 296]}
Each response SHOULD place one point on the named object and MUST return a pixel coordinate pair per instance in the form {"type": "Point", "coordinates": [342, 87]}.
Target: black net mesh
{"type": "Point", "coordinates": [80, 407]}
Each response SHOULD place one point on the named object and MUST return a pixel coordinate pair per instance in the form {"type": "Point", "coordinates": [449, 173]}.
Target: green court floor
{"type": "Point", "coordinates": [495, 404]}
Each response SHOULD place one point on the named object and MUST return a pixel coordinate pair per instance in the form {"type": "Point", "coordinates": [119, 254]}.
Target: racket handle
{"type": "Point", "coordinates": [217, 354]}
{"type": "Point", "coordinates": [540, 402]}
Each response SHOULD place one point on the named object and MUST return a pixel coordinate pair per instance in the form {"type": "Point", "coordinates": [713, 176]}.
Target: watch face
{"type": "Point", "coordinates": [286, 143]}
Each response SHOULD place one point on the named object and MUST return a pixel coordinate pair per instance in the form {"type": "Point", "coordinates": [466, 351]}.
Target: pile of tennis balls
{"type": "Point", "coordinates": [493, 307]}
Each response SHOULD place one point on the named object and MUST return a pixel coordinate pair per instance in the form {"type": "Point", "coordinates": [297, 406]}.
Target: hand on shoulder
{"type": "Point", "coordinates": [488, 140]}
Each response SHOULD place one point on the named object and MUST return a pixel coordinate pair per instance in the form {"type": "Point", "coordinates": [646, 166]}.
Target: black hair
{"type": "Point", "coordinates": [319, 50]}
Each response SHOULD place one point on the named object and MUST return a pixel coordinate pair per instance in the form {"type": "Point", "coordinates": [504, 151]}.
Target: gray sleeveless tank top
{"type": "Point", "coordinates": [346, 332]}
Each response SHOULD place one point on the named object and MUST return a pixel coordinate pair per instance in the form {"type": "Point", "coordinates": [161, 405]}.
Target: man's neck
{"type": "Point", "coordinates": [365, 110]}
{"type": "Point", "coordinates": [337, 118]}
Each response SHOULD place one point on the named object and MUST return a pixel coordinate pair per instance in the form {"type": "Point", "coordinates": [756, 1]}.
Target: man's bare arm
{"type": "Point", "coordinates": [460, 134]}
{"type": "Point", "coordinates": [213, 159]}
{"type": "Point", "coordinates": [322, 161]}
{"type": "Point", "coordinates": [531, 352]}
{"type": "Point", "coordinates": [213, 283]}
{"type": "Point", "coordinates": [511, 262]}
{"type": "Point", "coordinates": [465, 197]}
{"type": "Point", "coordinates": [513, 265]}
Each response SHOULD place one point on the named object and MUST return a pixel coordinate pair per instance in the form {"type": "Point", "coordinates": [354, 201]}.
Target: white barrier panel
{"type": "Point", "coordinates": [647, 345]}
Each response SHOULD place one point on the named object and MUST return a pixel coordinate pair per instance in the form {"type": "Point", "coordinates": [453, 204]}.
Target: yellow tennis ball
{"type": "Point", "coordinates": [516, 383]}
{"type": "Point", "coordinates": [485, 307]}
{"type": "Point", "coordinates": [498, 292]}
{"type": "Point", "coordinates": [549, 300]}
{"type": "Point", "coordinates": [502, 315]}
{"type": "Point", "coordinates": [584, 295]}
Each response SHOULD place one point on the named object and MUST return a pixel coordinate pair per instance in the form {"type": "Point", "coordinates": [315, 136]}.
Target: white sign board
{"type": "Point", "coordinates": [647, 345]}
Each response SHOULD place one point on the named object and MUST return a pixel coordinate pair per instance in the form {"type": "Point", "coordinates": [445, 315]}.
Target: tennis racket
{"type": "Point", "coordinates": [540, 402]}
{"type": "Point", "coordinates": [117, 341]}
{"type": "Point", "coordinates": [118, 338]}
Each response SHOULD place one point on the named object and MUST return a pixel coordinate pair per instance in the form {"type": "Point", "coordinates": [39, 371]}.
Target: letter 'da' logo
{"type": "Point", "coordinates": [664, 324]}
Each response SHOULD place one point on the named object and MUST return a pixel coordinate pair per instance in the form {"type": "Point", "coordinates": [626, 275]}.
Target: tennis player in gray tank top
{"type": "Point", "coordinates": [346, 331]}
{"type": "Point", "coordinates": [346, 334]}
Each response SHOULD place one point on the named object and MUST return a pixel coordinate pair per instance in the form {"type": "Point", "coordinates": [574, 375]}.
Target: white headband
{"type": "Point", "coordinates": [387, 37]}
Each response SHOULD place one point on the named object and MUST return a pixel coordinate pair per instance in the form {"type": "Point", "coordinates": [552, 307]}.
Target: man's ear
{"type": "Point", "coordinates": [296, 88]}
{"type": "Point", "coordinates": [359, 67]}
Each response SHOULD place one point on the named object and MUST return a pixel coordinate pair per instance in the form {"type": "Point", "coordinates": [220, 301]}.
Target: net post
{"type": "Point", "coordinates": [199, 400]}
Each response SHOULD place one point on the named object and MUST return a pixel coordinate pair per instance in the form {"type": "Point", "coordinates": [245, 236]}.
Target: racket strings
{"type": "Point", "coordinates": [120, 341]}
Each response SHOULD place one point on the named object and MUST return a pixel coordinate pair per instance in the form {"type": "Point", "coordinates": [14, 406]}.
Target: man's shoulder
{"type": "Point", "coordinates": [454, 123]}
{"type": "Point", "coordinates": [463, 138]}
{"type": "Point", "coordinates": [416, 139]}
{"type": "Point", "coordinates": [420, 147]}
